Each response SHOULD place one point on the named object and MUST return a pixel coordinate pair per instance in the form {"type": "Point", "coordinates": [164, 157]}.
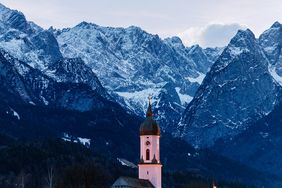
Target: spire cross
{"type": "Point", "coordinates": [149, 110]}
{"type": "Point", "coordinates": [150, 98]}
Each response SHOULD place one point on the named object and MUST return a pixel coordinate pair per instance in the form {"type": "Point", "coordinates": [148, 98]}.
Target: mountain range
{"type": "Point", "coordinates": [92, 82]}
{"type": "Point", "coordinates": [133, 64]}
{"type": "Point", "coordinates": [239, 89]}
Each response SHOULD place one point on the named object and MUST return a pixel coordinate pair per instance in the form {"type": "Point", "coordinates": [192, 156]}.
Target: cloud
{"type": "Point", "coordinates": [211, 35]}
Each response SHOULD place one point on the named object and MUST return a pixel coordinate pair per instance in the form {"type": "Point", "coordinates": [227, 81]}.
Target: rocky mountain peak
{"type": "Point", "coordinates": [195, 48]}
{"type": "Point", "coordinates": [276, 25]}
{"type": "Point", "coordinates": [14, 19]}
{"type": "Point", "coordinates": [271, 42]}
{"type": "Point", "coordinates": [243, 38]}
{"type": "Point", "coordinates": [132, 63]}
{"type": "Point", "coordinates": [174, 41]}
{"type": "Point", "coordinates": [271, 37]}
{"type": "Point", "coordinates": [232, 95]}
{"type": "Point", "coordinates": [86, 25]}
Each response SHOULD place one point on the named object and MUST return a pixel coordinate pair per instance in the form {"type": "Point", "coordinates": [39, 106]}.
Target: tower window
{"type": "Point", "coordinates": [147, 154]}
{"type": "Point", "coordinates": [147, 172]}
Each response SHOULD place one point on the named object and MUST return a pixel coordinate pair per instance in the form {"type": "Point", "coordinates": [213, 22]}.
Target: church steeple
{"type": "Point", "coordinates": [149, 126]}
{"type": "Point", "coordinates": [149, 110]}
{"type": "Point", "coordinates": [150, 167]}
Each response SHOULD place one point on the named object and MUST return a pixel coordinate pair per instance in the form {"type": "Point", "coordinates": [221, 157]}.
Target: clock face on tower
{"type": "Point", "coordinates": [148, 143]}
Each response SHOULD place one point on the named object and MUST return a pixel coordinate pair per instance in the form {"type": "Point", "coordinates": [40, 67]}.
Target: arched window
{"type": "Point", "coordinates": [147, 154]}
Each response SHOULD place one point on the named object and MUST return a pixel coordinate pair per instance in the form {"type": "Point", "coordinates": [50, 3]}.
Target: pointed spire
{"type": "Point", "coordinates": [141, 160]}
{"type": "Point", "coordinates": [154, 160]}
{"type": "Point", "coordinates": [149, 110]}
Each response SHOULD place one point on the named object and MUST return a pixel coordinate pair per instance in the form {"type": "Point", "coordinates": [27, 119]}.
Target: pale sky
{"type": "Point", "coordinates": [207, 22]}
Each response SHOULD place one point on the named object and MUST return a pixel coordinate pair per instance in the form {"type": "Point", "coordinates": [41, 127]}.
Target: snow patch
{"type": "Point", "coordinates": [139, 98]}
{"type": "Point", "coordinates": [184, 99]}
{"type": "Point", "coordinates": [264, 134]}
{"type": "Point", "coordinates": [125, 162]}
{"type": "Point", "coordinates": [66, 137]}
{"type": "Point", "coordinates": [14, 113]}
{"type": "Point", "coordinates": [32, 103]}
{"type": "Point", "coordinates": [235, 51]}
{"type": "Point", "coordinates": [69, 138]}
{"type": "Point", "coordinates": [199, 79]}
{"type": "Point", "coordinates": [84, 141]}
{"type": "Point", "coordinates": [274, 74]}
{"type": "Point", "coordinates": [44, 100]}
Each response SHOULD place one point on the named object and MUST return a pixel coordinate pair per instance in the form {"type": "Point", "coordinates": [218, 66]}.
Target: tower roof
{"type": "Point", "coordinates": [149, 126]}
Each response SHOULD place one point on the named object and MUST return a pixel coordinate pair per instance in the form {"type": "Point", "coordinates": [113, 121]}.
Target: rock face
{"type": "Point", "coordinates": [34, 71]}
{"type": "Point", "coordinates": [238, 90]}
{"type": "Point", "coordinates": [32, 87]}
{"type": "Point", "coordinates": [271, 42]}
{"type": "Point", "coordinates": [130, 63]}
{"type": "Point", "coordinates": [39, 49]}
{"type": "Point", "coordinates": [33, 105]}
{"type": "Point", "coordinates": [259, 146]}
{"type": "Point", "coordinates": [26, 41]}
{"type": "Point", "coordinates": [73, 70]}
{"type": "Point", "coordinates": [58, 68]}
{"type": "Point", "coordinates": [133, 64]}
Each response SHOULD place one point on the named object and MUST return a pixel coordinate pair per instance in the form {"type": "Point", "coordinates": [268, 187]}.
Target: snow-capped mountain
{"type": "Point", "coordinates": [271, 42]}
{"type": "Point", "coordinates": [26, 41]}
{"type": "Point", "coordinates": [259, 145]}
{"type": "Point", "coordinates": [74, 70]}
{"type": "Point", "coordinates": [133, 64]}
{"type": "Point", "coordinates": [50, 84]}
{"type": "Point", "coordinates": [32, 87]}
{"type": "Point", "coordinates": [239, 89]}
{"type": "Point", "coordinates": [39, 49]}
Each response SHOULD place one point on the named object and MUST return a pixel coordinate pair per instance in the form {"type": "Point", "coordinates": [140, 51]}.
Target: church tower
{"type": "Point", "coordinates": [150, 167]}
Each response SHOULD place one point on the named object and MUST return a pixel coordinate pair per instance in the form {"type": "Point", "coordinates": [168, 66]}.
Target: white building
{"type": "Point", "coordinates": [149, 167]}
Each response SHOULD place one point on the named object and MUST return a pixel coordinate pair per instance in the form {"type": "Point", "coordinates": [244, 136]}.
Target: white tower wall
{"type": "Point", "coordinates": [149, 169]}
{"type": "Point", "coordinates": [154, 147]}
{"type": "Point", "coordinates": [151, 172]}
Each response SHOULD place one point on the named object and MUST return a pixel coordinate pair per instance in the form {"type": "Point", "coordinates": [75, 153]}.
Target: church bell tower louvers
{"type": "Point", "coordinates": [150, 167]}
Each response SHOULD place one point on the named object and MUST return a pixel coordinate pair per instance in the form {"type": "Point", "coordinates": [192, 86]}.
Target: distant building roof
{"type": "Point", "coordinates": [128, 182]}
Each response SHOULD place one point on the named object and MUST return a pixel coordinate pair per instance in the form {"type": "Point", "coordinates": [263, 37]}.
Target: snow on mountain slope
{"type": "Point", "coordinates": [132, 63]}
{"type": "Point", "coordinates": [259, 146]}
{"type": "Point", "coordinates": [39, 48]}
{"type": "Point", "coordinates": [33, 87]}
{"type": "Point", "coordinates": [271, 42]}
{"type": "Point", "coordinates": [128, 61]}
{"type": "Point", "coordinates": [74, 70]}
{"type": "Point", "coordinates": [237, 91]}
{"type": "Point", "coordinates": [25, 40]}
